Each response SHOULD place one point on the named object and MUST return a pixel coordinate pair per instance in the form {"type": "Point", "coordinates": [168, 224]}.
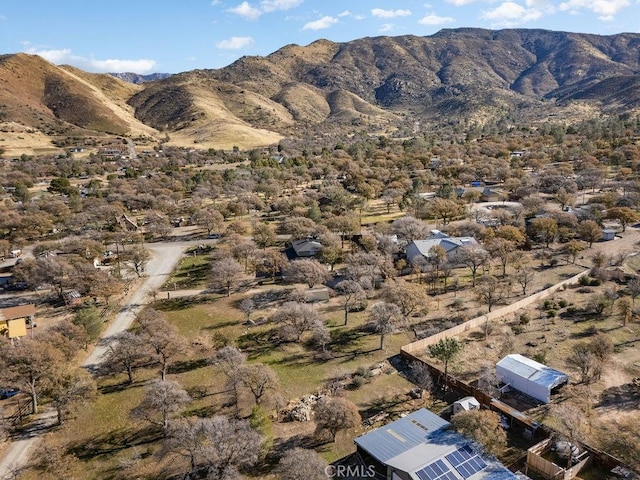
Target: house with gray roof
{"type": "Point", "coordinates": [421, 248]}
{"type": "Point", "coordinates": [421, 446]}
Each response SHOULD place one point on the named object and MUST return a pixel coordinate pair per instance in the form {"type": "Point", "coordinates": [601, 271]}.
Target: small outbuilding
{"type": "Point", "coordinates": [465, 404]}
{"type": "Point", "coordinates": [608, 234]}
{"type": "Point", "coordinates": [530, 377]}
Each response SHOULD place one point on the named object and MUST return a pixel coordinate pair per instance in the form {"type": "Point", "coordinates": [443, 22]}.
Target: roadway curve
{"type": "Point", "coordinates": [165, 257]}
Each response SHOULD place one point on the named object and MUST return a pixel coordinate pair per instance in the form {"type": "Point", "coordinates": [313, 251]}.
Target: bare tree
{"type": "Point", "coordinates": [410, 229]}
{"type": "Point", "coordinates": [421, 376]}
{"type": "Point", "coordinates": [231, 362]}
{"type": "Point", "coordinates": [161, 399]}
{"type": "Point", "coordinates": [209, 218]}
{"type": "Point", "coordinates": [625, 309]}
{"type": "Point", "coordinates": [230, 445]}
{"type": "Point", "coordinates": [296, 318]}
{"type": "Point", "coordinates": [260, 380]}
{"type": "Point", "coordinates": [300, 463]}
{"type": "Point", "coordinates": [352, 292]}
{"type": "Point", "coordinates": [384, 319]}
{"type": "Point", "coordinates": [125, 354]}
{"type": "Point", "coordinates": [333, 414]}
{"type": "Point", "coordinates": [225, 274]}
{"type": "Point", "coordinates": [472, 256]}
{"type": "Point", "coordinates": [247, 306]}
{"type": "Point", "coordinates": [490, 291]}
{"type": "Point", "coordinates": [137, 258]}
{"type": "Point", "coordinates": [69, 387]}
{"type": "Point", "coordinates": [503, 250]}
{"type": "Point", "coordinates": [161, 338]}
{"type": "Point", "coordinates": [524, 276]}
{"type": "Point", "coordinates": [589, 231]}
{"type": "Point", "coordinates": [307, 271]}
{"type": "Point", "coordinates": [634, 289]}
{"type": "Point", "coordinates": [29, 365]}
{"type": "Point", "coordinates": [409, 297]}
{"type": "Point", "coordinates": [264, 235]}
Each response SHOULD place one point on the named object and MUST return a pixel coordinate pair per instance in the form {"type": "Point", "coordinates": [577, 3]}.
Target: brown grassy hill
{"type": "Point", "coordinates": [38, 94]}
{"type": "Point", "coordinates": [372, 83]}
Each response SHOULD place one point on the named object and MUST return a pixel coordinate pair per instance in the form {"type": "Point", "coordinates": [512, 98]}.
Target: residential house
{"type": "Point", "coordinates": [126, 223]}
{"type": "Point", "coordinates": [421, 248]}
{"type": "Point", "coordinates": [421, 446]}
{"type": "Point", "coordinates": [14, 320]}
{"type": "Point", "coordinates": [306, 248]}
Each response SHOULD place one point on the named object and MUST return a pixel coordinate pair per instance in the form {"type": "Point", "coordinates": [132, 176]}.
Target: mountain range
{"type": "Point", "coordinates": [374, 83]}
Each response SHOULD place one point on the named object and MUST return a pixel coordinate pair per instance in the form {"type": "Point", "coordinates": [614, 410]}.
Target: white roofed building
{"type": "Point", "coordinates": [530, 377]}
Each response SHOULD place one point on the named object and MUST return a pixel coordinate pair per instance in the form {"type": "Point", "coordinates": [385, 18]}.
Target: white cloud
{"type": "Point", "coordinates": [380, 13]}
{"type": "Point", "coordinates": [324, 22]}
{"type": "Point", "coordinates": [235, 43]}
{"type": "Point", "coordinates": [433, 19]}
{"type": "Point", "coordinates": [386, 27]}
{"type": "Point", "coordinates": [66, 56]}
{"type": "Point", "coordinates": [510, 14]}
{"type": "Point", "coordinates": [245, 9]}
{"type": "Point", "coordinates": [460, 3]}
{"type": "Point", "coordinates": [273, 5]}
{"type": "Point", "coordinates": [346, 13]}
{"type": "Point", "coordinates": [605, 9]}
{"type": "Point", "coordinates": [215, 2]}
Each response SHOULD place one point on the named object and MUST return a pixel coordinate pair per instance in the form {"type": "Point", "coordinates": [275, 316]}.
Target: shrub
{"type": "Point", "coordinates": [517, 329]}
{"type": "Point", "coordinates": [563, 303]}
{"type": "Point", "coordinates": [572, 310]}
{"type": "Point", "coordinates": [549, 304]}
{"type": "Point", "coordinates": [540, 357]}
{"type": "Point", "coordinates": [585, 290]}
{"type": "Point", "coordinates": [524, 318]}
{"type": "Point", "coordinates": [363, 372]}
{"type": "Point", "coordinates": [595, 282]}
{"type": "Point", "coordinates": [584, 280]}
{"type": "Point", "coordinates": [357, 381]}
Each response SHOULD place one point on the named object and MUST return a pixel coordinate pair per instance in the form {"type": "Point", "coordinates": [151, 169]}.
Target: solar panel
{"type": "Point", "coordinates": [437, 470]}
{"type": "Point", "coordinates": [466, 461]}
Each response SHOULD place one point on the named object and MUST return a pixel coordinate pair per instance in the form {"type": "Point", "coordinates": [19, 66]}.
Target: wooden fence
{"type": "Point", "coordinates": [418, 347]}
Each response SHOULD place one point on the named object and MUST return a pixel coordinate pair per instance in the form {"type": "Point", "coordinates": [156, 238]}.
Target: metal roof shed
{"type": "Point", "coordinates": [530, 377]}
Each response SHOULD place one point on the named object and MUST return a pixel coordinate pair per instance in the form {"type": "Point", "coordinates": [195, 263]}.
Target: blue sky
{"type": "Point", "coordinates": [172, 36]}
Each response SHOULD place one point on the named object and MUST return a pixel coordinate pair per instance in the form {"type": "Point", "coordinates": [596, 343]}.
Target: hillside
{"type": "Point", "coordinates": [372, 83]}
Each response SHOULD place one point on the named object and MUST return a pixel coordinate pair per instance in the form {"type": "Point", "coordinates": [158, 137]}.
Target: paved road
{"type": "Point", "coordinates": [165, 257]}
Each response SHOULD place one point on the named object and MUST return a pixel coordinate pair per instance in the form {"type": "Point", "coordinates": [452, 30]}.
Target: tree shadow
{"type": "Point", "coordinates": [114, 441]}
{"type": "Point", "coordinates": [346, 339]}
{"type": "Point", "coordinates": [119, 387]}
{"type": "Point", "coordinates": [182, 303]}
{"type": "Point", "coordinates": [187, 365]}
{"type": "Point", "coordinates": [256, 344]}
{"type": "Point", "coordinates": [622, 397]}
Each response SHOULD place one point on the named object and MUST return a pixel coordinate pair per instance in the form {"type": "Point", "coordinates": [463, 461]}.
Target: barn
{"type": "Point", "coordinates": [530, 377]}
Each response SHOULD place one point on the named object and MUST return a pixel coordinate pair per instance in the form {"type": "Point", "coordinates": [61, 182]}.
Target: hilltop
{"type": "Point", "coordinates": [376, 84]}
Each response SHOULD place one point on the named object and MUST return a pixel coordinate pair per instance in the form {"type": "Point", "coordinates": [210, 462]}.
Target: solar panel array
{"type": "Point", "coordinates": [466, 461]}
{"type": "Point", "coordinates": [437, 470]}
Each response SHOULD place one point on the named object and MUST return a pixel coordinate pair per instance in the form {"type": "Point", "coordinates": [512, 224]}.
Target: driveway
{"type": "Point", "coordinates": [165, 257]}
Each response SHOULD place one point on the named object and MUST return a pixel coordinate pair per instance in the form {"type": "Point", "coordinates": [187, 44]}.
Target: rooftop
{"type": "Point", "coordinates": [422, 445]}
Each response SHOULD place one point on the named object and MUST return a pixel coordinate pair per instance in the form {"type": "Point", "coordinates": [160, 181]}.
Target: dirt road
{"type": "Point", "coordinates": [165, 257]}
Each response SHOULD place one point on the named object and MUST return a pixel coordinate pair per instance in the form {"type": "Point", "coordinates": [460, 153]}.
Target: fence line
{"type": "Point", "coordinates": [419, 346]}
